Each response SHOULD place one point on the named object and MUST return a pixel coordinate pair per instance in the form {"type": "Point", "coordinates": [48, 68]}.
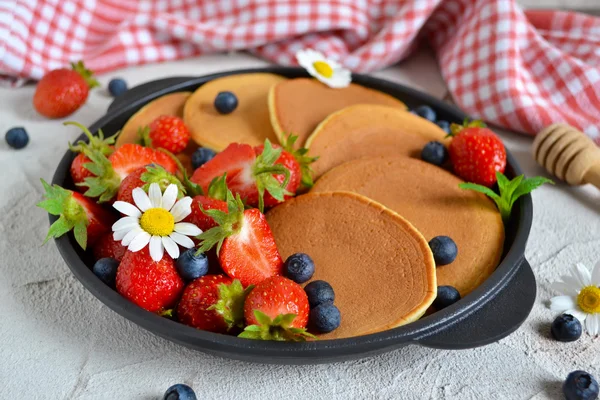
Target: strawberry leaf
{"type": "Point", "coordinates": [105, 182]}
{"type": "Point", "coordinates": [157, 174]}
{"type": "Point", "coordinates": [94, 143]}
{"type": "Point", "coordinates": [72, 215]}
{"type": "Point", "coordinates": [231, 303]}
{"type": "Point", "coordinates": [85, 73]}
{"type": "Point", "coordinates": [510, 191]}
{"type": "Point", "coordinates": [229, 222]}
{"type": "Point", "coordinates": [217, 189]}
{"type": "Point", "coordinates": [143, 136]}
{"type": "Point", "coordinates": [455, 128]}
{"type": "Point", "coordinates": [264, 169]}
{"type": "Point", "coordinates": [278, 329]}
{"type": "Point", "coordinates": [191, 188]}
{"type": "Point", "coordinates": [303, 160]}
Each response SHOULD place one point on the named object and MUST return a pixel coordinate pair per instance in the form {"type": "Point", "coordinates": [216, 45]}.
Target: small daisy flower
{"type": "Point", "coordinates": [155, 219]}
{"type": "Point", "coordinates": [327, 71]}
{"type": "Point", "coordinates": [580, 296]}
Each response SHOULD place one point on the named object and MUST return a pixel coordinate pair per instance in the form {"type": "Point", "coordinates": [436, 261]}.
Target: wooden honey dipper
{"type": "Point", "coordinates": [568, 154]}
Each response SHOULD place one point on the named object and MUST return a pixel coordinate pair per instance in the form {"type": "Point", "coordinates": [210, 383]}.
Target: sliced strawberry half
{"type": "Point", "coordinates": [248, 175]}
{"type": "Point", "coordinates": [83, 216]}
{"type": "Point", "coordinates": [245, 244]}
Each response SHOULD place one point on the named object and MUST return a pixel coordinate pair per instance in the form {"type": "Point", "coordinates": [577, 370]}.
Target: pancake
{"type": "Point", "coordinates": [248, 123]}
{"type": "Point", "coordinates": [369, 130]}
{"type": "Point", "coordinates": [298, 105]}
{"type": "Point", "coordinates": [380, 266]}
{"type": "Point", "coordinates": [169, 104]}
{"type": "Point", "coordinates": [429, 197]}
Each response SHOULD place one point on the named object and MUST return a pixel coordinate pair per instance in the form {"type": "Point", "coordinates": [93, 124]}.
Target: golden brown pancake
{"type": "Point", "coordinates": [298, 105]}
{"type": "Point", "coordinates": [429, 197]}
{"type": "Point", "coordinates": [248, 123]}
{"type": "Point", "coordinates": [169, 104]}
{"type": "Point", "coordinates": [369, 130]}
{"type": "Point", "coordinates": [380, 266]}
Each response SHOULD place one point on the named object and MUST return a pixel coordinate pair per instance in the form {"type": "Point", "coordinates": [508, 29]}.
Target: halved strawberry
{"type": "Point", "coordinates": [154, 286]}
{"type": "Point", "coordinates": [94, 143]}
{"type": "Point", "coordinates": [109, 172]}
{"type": "Point", "coordinates": [87, 219]}
{"type": "Point", "coordinates": [214, 303]}
{"type": "Point", "coordinates": [143, 177]}
{"type": "Point", "coordinates": [245, 244]}
{"type": "Point", "coordinates": [248, 175]}
{"type": "Point", "coordinates": [276, 309]}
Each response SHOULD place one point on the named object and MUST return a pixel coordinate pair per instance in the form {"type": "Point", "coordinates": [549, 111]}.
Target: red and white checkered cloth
{"type": "Point", "coordinates": [520, 70]}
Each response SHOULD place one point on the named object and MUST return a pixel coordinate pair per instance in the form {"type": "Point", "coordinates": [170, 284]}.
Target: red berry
{"type": "Point", "coordinates": [78, 171]}
{"type": "Point", "coordinates": [170, 133]}
{"type": "Point", "coordinates": [198, 218]}
{"type": "Point", "coordinates": [106, 246]}
{"type": "Point", "coordinates": [288, 161]}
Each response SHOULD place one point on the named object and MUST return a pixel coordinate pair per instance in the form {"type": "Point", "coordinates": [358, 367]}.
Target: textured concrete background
{"type": "Point", "coordinates": [59, 342]}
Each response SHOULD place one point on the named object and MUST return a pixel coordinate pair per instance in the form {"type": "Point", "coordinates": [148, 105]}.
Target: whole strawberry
{"type": "Point", "coordinates": [107, 247]}
{"type": "Point", "coordinates": [276, 309]}
{"type": "Point", "coordinates": [170, 133]}
{"type": "Point", "coordinates": [143, 177]}
{"type": "Point", "coordinates": [476, 153]}
{"type": "Point", "coordinates": [154, 286]}
{"type": "Point", "coordinates": [213, 303]}
{"type": "Point", "coordinates": [62, 91]}
{"type": "Point", "coordinates": [214, 199]}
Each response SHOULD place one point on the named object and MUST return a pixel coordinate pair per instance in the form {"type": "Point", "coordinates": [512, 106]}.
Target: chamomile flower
{"type": "Point", "coordinates": [155, 220]}
{"type": "Point", "coordinates": [327, 71]}
{"type": "Point", "coordinates": [580, 296]}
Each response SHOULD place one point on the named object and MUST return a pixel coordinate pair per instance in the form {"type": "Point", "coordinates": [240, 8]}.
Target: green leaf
{"type": "Point", "coordinates": [262, 318]}
{"type": "Point", "coordinates": [143, 136]}
{"type": "Point", "coordinates": [218, 188]}
{"type": "Point", "coordinates": [157, 174]}
{"type": "Point", "coordinates": [59, 228]}
{"type": "Point", "coordinates": [105, 183]}
{"type": "Point", "coordinates": [479, 188]}
{"type": "Point", "coordinates": [455, 129]}
{"type": "Point", "coordinates": [278, 329]}
{"type": "Point", "coordinates": [264, 171]}
{"type": "Point", "coordinates": [527, 186]}
{"type": "Point", "coordinates": [230, 304]}
{"type": "Point", "coordinates": [86, 74]}
{"type": "Point", "coordinates": [80, 233]}
{"type": "Point", "coordinates": [229, 223]}
{"type": "Point", "coordinates": [251, 334]}
{"type": "Point", "coordinates": [191, 188]}
{"type": "Point", "coordinates": [303, 160]}
{"type": "Point", "coordinates": [94, 143]}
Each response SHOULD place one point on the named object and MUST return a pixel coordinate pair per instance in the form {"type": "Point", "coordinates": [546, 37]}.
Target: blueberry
{"type": "Point", "coordinates": [566, 328]}
{"type": "Point", "coordinates": [446, 296]}
{"type": "Point", "coordinates": [325, 318]}
{"type": "Point", "coordinates": [180, 392]}
{"type": "Point", "coordinates": [117, 87]}
{"type": "Point", "coordinates": [434, 153]}
{"type": "Point", "coordinates": [106, 270]}
{"type": "Point", "coordinates": [580, 385]}
{"type": "Point", "coordinates": [226, 102]}
{"type": "Point", "coordinates": [17, 138]}
{"type": "Point", "coordinates": [319, 292]}
{"type": "Point", "coordinates": [299, 267]}
{"type": "Point", "coordinates": [201, 156]}
{"type": "Point", "coordinates": [444, 250]}
{"type": "Point", "coordinates": [425, 112]}
{"type": "Point", "coordinates": [191, 266]}
{"type": "Point", "coordinates": [445, 125]}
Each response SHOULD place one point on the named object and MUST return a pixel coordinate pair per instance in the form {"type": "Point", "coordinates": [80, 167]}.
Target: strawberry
{"type": "Point", "coordinates": [276, 309]}
{"type": "Point", "coordinates": [476, 153]}
{"type": "Point", "coordinates": [143, 177]}
{"type": "Point", "coordinates": [95, 143]}
{"type": "Point", "coordinates": [245, 244]}
{"type": "Point", "coordinates": [214, 303]}
{"type": "Point", "coordinates": [109, 172]}
{"type": "Point", "coordinates": [61, 92]}
{"type": "Point", "coordinates": [87, 219]}
{"type": "Point", "coordinates": [107, 246]}
{"type": "Point", "coordinates": [154, 286]}
{"type": "Point", "coordinates": [213, 200]}
{"type": "Point", "coordinates": [170, 133]}
{"type": "Point", "coordinates": [248, 175]}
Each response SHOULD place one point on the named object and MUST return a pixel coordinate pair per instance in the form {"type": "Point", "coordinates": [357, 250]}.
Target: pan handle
{"type": "Point", "coordinates": [146, 89]}
{"type": "Point", "coordinates": [496, 319]}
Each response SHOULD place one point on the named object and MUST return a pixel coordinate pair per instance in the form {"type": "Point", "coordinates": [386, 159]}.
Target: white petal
{"type": "Point", "coordinates": [592, 324]}
{"type": "Point", "coordinates": [169, 197]}
{"type": "Point", "coordinates": [126, 223]}
{"type": "Point", "coordinates": [170, 246]}
{"type": "Point", "coordinates": [130, 236]}
{"type": "Point", "coordinates": [120, 234]}
{"type": "Point", "coordinates": [307, 57]}
{"type": "Point", "coordinates": [562, 303]}
{"type": "Point", "coordinates": [128, 209]}
{"type": "Point", "coordinates": [580, 315]}
{"type": "Point", "coordinates": [186, 228]}
{"type": "Point", "coordinates": [156, 248]}
{"type": "Point", "coordinates": [596, 275]}
{"type": "Point", "coordinates": [565, 288]}
{"type": "Point", "coordinates": [182, 240]}
{"type": "Point", "coordinates": [155, 195]}
{"type": "Point", "coordinates": [141, 199]}
{"type": "Point", "coordinates": [139, 242]}
{"type": "Point", "coordinates": [582, 274]}
{"type": "Point", "coordinates": [340, 79]}
{"type": "Point", "coordinates": [182, 208]}
{"type": "Point", "coordinates": [572, 282]}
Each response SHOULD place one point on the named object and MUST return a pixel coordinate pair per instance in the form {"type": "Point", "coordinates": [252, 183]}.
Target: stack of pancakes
{"type": "Point", "coordinates": [375, 205]}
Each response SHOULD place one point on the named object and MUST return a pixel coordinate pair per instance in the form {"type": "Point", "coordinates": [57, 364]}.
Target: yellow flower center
{"type": "Point", "coordinates": [589, 299]}
{"type": "Point", "coordinates": [323, 69]}
{"type": "Point", "coordinates": [157, 222]}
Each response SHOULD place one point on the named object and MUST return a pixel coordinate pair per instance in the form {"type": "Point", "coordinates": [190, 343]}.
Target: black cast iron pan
{"type": "Point", "coordinates": [492, 311]}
